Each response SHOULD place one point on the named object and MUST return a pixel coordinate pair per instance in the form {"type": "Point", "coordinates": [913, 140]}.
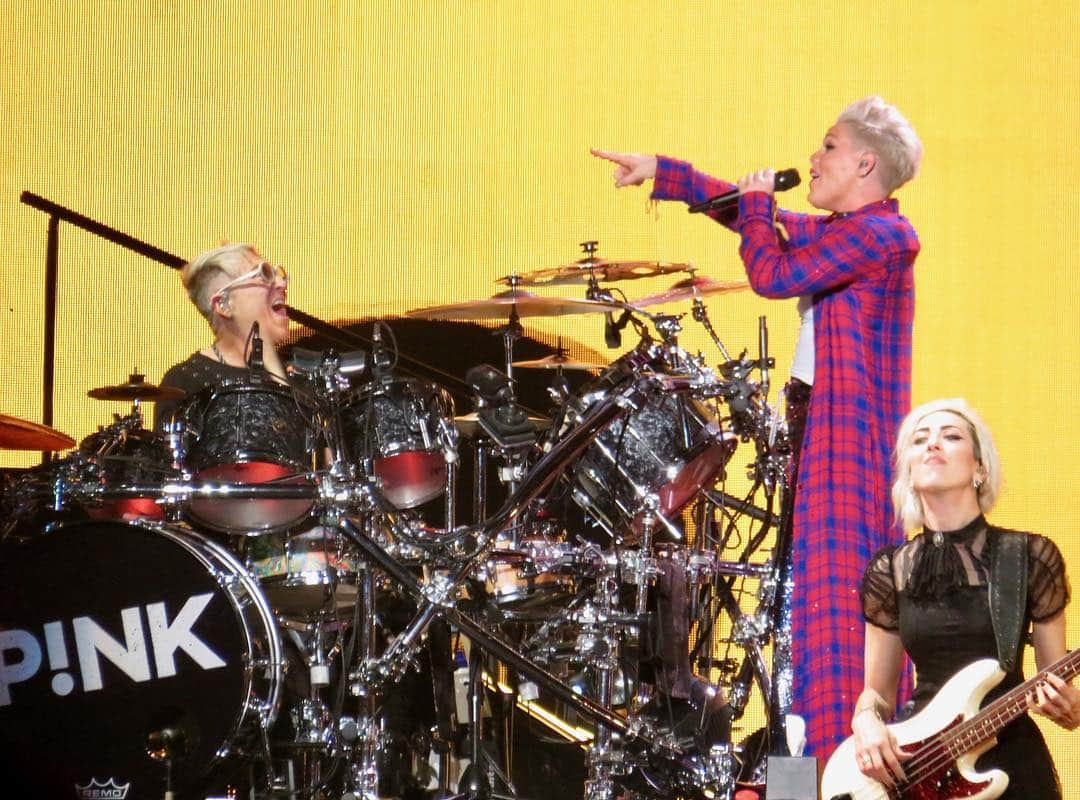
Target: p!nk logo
{"type": "Point", "coordinates": [131, 656]}
{"type": "Point", "coordinates": [98, 790]}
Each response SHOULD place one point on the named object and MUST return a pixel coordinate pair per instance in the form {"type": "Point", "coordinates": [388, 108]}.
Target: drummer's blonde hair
{"type": "Point", "coordinates": [199, 273]}
{"type": "Point", "coordinates": [906, 503]}
{"type": "Point", "coordinates": [884, 131]}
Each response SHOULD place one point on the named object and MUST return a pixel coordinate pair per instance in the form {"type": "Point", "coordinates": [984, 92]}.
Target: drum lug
{"type": "Point", "coordinates": [233, 584]}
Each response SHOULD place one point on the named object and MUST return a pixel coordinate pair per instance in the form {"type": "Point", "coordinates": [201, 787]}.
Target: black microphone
{"type": "Point", "coordinates": [256, 363]}
{"type": "Point", "coordinates": [785, 179]}
{"type": "Point", "coordinates": [612, 334]}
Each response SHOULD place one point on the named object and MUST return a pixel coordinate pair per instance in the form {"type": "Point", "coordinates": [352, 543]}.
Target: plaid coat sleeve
{"type": "Point", "coordinates": [678, 180]}
{"type": "Point", "coordinates": [848, 249]}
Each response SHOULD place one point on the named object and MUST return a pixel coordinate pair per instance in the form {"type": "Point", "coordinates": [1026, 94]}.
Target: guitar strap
{"type": "Point", "coordinates": [1008, 594]}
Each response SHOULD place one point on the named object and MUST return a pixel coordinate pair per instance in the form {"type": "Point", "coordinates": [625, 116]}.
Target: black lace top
{"type": "Point", "coordinates": [932, 564]}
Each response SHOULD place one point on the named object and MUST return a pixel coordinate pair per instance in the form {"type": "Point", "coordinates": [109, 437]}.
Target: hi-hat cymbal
{"type": "Point", "coordinates": [503, 304]}
{"type": "Point", "coordinates": [469, 424]}
{"type": "Point", "coordinates": [690, 288]}
{"type": "Point", "coordinates": [557, 361]}
{"type": "Point", "coordinates": [136, 388]}
{"type": "Point", "coordinates": [21, 434]}
{"type": "Point", "coordinates": [599, 268]}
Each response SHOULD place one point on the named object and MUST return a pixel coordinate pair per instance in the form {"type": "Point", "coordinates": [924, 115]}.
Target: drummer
{"type": "Point", "coordinates": [234, 288]}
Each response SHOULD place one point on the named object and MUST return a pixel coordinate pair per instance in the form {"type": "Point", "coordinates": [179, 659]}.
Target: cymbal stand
{"type": "Point", "coordinates": [559, 391]}
{"type": "Point", "coordinates": [512, 330]}
{"type": "Point", "coordinates": [701, 314]}
{"type": "Point", "coordinates": [365, 769]}
{"type": "Point", "coordinates": [598, 644]}
{"type": "Point", "coordinates": [313, 723]}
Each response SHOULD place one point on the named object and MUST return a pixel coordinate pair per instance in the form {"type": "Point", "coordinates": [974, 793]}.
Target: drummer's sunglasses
{"type": "Point", "coordinates": [266, 273]}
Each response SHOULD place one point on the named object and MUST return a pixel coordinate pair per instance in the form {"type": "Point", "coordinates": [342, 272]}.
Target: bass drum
{"type": "Point", "coordinates": [114, 635]}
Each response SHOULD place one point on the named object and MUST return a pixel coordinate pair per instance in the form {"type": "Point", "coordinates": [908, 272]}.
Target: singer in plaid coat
{"type": "Point", "coordinates": [856, 264]}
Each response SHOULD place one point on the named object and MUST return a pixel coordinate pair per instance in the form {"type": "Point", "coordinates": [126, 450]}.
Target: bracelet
{"type": "Point", "coordinates": [872, 709]}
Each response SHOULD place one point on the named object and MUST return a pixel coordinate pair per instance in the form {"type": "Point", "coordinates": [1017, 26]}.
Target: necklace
{"type": "Point", "coordinates": [217, 353]}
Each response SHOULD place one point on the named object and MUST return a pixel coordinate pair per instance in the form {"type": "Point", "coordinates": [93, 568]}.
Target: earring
{"type": "Point", "coordinates": [976, 483]}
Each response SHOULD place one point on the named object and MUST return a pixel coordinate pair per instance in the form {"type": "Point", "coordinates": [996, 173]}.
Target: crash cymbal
{"type": "Point", "coordinates": [136, 388]}
{"type": "Point", "coordinates": [690, 288]}
{"type": "Point", "coordinates": [599, 268]}
{"type": "Point", "coordinates": [21, 434]}
{"type": "Point", "coordinates": [469, 424]}
{"type": "Point", "coordinates": [557, 361]}
{"type": "Point", "coordinates": [501, 305]}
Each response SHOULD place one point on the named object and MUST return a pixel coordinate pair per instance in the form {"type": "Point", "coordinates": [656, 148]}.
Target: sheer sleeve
{"type": "Point", "coordinates": [1048, 585]}
{"type": "Point", "coordinates": [878, 591]}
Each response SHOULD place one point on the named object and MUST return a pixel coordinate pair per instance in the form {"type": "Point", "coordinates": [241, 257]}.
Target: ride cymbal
{"type": "Point", "coordinates": [504, 304]}
{"type": "Point", "coordinates": [136, 388]}
{"type": "Point", "coordinates": [557, 361]}
{"type": "Point", "coordinates": [599, 268]}
{"type": "Point", "coordinates": [690, 289]}
{"type": "Point", "coordinates": [21, 434]}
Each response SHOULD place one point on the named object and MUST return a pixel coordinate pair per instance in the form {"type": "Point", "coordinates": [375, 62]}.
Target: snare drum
{"type": "Point", "coordinates": [669, 447]}
{"type": "Point", "coordinates": [248, 434]}
{"type": "Point", "coordinates": [113, 632]}
{"type": "Point", "coordinates": [307, 574]}
{"type": "Point", "coordinates": [538, 572]}
{"type": "Point", "coordinates": [405, 427]}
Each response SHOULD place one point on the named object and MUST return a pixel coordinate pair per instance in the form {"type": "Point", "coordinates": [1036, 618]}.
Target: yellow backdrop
{"type": "Point", "coordinates": [397, 154]}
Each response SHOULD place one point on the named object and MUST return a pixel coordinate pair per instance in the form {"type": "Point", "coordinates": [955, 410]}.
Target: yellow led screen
{"type": "Point", "coordinates": [395, 155]}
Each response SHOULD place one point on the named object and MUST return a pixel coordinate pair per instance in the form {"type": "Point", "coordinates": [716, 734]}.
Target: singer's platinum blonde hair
{"type": "Point", "coordinates": [906, 502]}
{"type": "Point", "coordinates": [885, 132]}
{"type": "Point", "coordinates": [198, 274]}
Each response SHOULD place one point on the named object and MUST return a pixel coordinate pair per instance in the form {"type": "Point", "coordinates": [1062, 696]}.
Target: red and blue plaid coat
{"type": "Point", "coordinates": [859, 269]}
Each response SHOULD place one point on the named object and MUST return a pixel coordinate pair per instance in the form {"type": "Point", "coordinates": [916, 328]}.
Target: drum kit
{"type": "Point", "coordinates": [274, 596]}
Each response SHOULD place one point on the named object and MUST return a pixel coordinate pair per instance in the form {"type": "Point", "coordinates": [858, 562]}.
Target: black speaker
{"type": "Point", "coordinates": [791, 778]}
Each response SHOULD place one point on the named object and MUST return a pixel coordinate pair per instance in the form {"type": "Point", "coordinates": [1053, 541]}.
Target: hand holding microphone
{"type": "Point", "coordinates": [764, 180]}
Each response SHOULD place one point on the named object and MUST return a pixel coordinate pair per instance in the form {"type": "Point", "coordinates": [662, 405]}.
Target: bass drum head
{"type": "Point", "coordinates": [110, 633]}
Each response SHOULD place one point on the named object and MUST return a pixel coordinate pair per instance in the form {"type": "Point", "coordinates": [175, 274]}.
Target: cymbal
{"type": "Point", "coordinates": [136, 388]}
{"type": "Point", "coordinates": [469, 424]}
{"type": "Point", "coordinates": [557, 361]}
{"type": "Point", "coordinates": [600, 268]}
{"type": "Point", "coordinates": [503, 304]}
{"type": "Point", "coordinates": [21, 434]}
{"type": "Point", "coordinates": [690, 288]}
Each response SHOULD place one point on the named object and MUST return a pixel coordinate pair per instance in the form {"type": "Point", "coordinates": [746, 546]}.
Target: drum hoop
{"type": "Point", "coordinates": [213, 556]}
{"type": "Point", "coordinates": [256, 457]}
